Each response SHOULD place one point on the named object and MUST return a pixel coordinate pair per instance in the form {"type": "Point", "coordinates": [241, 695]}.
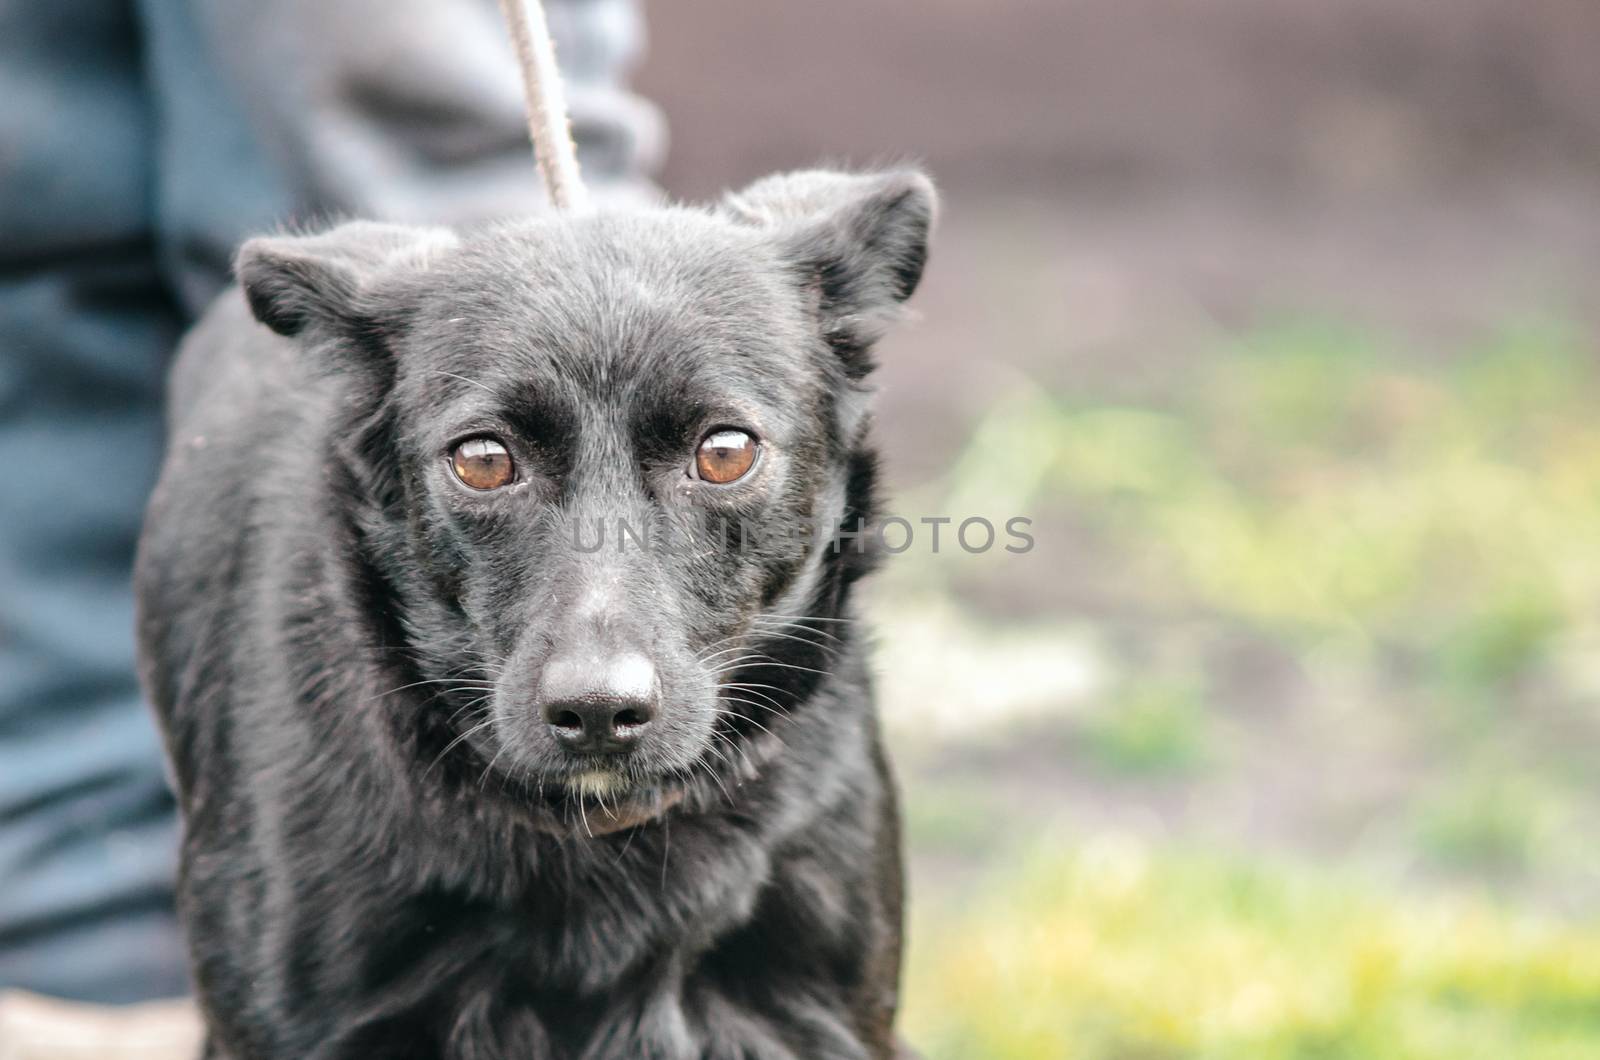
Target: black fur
{"type": "Point", "coordinates": [386, 855]}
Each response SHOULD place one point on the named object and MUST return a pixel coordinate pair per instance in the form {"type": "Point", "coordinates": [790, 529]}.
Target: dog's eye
{"type": "Point", "coordinates": [725, 456]}
{"type": "Point", "coordinates": [482, 463]}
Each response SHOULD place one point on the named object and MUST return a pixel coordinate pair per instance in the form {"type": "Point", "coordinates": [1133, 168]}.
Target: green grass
{"type": "Point", "coordinates": [1318, 484]}
{"type": "Point", "coordinates": [1150, 728]}
{"type": "Point", "coordinates": [1111, 952]}
{"type": "Point", "coordinates": [1492, 824]}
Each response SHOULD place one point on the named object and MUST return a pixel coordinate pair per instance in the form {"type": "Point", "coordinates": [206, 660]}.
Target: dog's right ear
{"type": "Point", "coordinates": [857, 241]}
{"type": "Point", "coordinates": [329, 281]}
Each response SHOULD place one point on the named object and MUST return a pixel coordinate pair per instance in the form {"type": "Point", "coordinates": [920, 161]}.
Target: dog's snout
{"type": "Point", "coordinates": [599, 706]}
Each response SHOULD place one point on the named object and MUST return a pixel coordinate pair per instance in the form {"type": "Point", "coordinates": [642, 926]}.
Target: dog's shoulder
{"type": "Point", "coordinates": [236, 402]}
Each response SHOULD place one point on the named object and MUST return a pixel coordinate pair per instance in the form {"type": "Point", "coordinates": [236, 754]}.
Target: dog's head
{"type": "Point", "coordinates": [587, 460]}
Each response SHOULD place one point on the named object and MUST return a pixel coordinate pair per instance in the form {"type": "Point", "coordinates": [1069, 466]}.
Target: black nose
{"type": "Point", "coordinates": [599, 706]}
{"type": "Point", "coordinates": [599, 725]}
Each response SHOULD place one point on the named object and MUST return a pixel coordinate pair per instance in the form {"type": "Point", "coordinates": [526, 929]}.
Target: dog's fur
{"type": "Point", "coordinates": [386, 855]}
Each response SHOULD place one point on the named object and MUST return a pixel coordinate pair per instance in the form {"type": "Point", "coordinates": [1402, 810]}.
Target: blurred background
{"type": "Point", "coordinates": [1278, 318]}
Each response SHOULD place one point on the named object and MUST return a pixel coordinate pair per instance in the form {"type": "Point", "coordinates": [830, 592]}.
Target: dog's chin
{"type": "Point", "coordinates": [601, 784]}
{"type": "Point", "coordinates": [599, 801]}
{"type": "Point", "coordinates": [595, 797]}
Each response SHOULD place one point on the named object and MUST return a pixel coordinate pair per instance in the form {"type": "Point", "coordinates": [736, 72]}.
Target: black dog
{"type": "Point", "coordinates": [464, 775]}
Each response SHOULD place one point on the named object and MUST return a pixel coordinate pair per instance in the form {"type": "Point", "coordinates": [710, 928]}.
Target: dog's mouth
{"type": "Point", "coordinates": [595, 799]}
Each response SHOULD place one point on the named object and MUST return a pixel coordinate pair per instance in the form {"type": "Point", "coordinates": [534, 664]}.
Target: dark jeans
{"type": "Point", "coordinates": [139, 142]}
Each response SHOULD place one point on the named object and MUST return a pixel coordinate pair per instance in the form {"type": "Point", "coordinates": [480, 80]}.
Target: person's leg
{"type": "Point", "coordinates": [87, 834]}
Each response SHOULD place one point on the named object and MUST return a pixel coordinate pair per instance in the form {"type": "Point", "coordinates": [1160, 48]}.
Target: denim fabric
{"type": "Point", "coordinates": [140, 140]}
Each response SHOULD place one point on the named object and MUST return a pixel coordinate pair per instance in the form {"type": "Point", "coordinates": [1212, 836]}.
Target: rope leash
{"type": "Point", "coordinates": [546, 101]}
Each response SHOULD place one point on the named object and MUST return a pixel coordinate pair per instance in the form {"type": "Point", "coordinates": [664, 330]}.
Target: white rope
{"type": "Point", "coordinates": [548, 124]}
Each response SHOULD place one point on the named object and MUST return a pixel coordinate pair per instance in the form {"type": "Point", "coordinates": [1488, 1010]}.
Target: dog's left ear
{"type": "Point", "coordinates": [324, 282]}
{"type": "Point", "coordinates": [859, 241]}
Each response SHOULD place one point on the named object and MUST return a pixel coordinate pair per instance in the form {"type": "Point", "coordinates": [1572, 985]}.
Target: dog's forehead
{"type": "Point", "coordinates": [611, 273]}
{"type": "Point", "coordinates": [666, 291]}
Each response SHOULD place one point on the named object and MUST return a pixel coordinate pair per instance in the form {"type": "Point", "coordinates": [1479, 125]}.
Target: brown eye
{"type": "Point", "coordinates": [725, 456]}
{"type": "Point", "coordinates": [482, 463]}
